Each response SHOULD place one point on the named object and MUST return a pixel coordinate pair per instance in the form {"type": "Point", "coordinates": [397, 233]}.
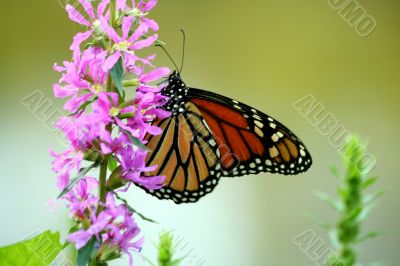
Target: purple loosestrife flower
{"type": "Point", "coordinates": [139, 11]}
{"type": "Point", "coordinates": [81, 199]}
{"type": "Point", "coordinates": [91, 20]}
{"type": "Point", "coordinates": [148, 99]}
{"type": "Point", "coordinates": [125, 45]}
{"type": "Point", "coordinates": [79, 131]}
{"type": "Point", "coordinates": [64, 163]}
{"type": "Point", "coordinates": [134, 165]}
{"type": "Point", "coordinates": [115, 226]}
{"type": "Point", "coordinates": [81, 79]}
{"type": "Point", "coordinates": [106, 110]}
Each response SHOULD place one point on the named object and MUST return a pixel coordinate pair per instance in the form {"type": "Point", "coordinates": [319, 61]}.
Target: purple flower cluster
{"type": "Point", "coordinates": [104, 126]}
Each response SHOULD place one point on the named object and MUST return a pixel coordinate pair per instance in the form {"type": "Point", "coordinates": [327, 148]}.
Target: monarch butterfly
{"type": "Point", "coordinates": [209, 136]}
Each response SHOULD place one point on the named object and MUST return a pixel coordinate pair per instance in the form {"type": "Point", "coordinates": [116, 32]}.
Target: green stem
{"type": "Point", "coordinates": [113, 12]}
{"type": "Point", "coordinates": [127, 115]}
{"type": "Point", "coordinates": [102, 184]}
{"type": "Point", "coordinates": [93, 262]}
{"type": "Point", "coordinates": [104, 163]}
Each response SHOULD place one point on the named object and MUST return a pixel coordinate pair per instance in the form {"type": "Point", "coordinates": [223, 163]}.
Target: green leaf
{"type": "Point", "coordinates": [336, 205]}
{"type": "Point", "coordinates": [166, 250]}
{"type": "Point", "coordinates": [115, 180]}
{"type": "Point", "coordinates": [370, 235]}
{"type": "Point", "coordinates": [159, 43]}
{"type": "Point", "coordinates": [75, 180]}
{"type": "Point", "coordinates": [112, 163]}
{"type": "Point", "coordinates": [364, 213]}
{"type": "Point", "coordinates": [334, 238]}
{"type": "Point", "coordinates": [335, 171]}
{"type": "Point", "coordinates": [135, 141]}
{"type": "Point", "coordinates": [83, 106]}
{"type": "Point", "coordinates": [368, 199]}
{"type": "Point", "coordinates": [176, 262]}
{"type": "Point", "coordinates": [318, 221]}
{"type": "Point", "coordinates": [39, 250]}
{"type": "Point", "coordinates": [116, 73]}
{"type": "Point", "coordinates": [87, 253]}
{"type": "Point", "coordinates": [369, 182]}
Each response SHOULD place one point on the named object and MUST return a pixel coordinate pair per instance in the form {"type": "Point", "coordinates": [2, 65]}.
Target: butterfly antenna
{"type": "Point", "coordinates": [172, 60]}
{"type": "Point", "coordinates": [183, 49]}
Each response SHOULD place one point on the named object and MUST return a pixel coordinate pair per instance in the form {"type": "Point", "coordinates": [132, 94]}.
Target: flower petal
{"type": "Point", "coordinates": [75, 102]}
{"type": "Point", "coordinates": [74, 15]}
{"type": "Point", "coordinates": [154, 130]}
{"type": "Point", "coordinates": [121, 5]}
{"type": "Point", "coordinates": [102, 6]}
{"type": "Point", "coordinates": [80, 238]}
{"type": "Point", "coordinates": [159, 113]}
{"type": "Point", "coordinates": [109, 30]}
{"type": "Point", "coordinates": [139, 32]}
{"type": "Point", "coordinates": [144, 43]}
{"type": "Point", "coordinates": [152, 24]}
{"type": "Point", "coordinates": [79, 38]}
{"type": "Point", "coordinates": [88, 8]}
{"type": "Point", "coordinates": [58, 68]}
{"type": "Point", "coordinates": [145, 7]}
{"type": "Point", "coordinates": [155, 74]}
{"type": "Point", "coordinates": [111, 61]}
{"type": "Point", "coordinates": [126, 26]}
{"type": "Point", "coordinates": [62, 181]}
{"type": "Point", "coordinates": [61, 92]}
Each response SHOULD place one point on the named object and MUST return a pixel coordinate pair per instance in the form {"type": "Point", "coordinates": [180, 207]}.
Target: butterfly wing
{"type": "Point", "coordinates": [249, 140]}
{"type": "Point", "coordinates": [216, 136]}
{"type": "Point", "coordinates": [187, 154]}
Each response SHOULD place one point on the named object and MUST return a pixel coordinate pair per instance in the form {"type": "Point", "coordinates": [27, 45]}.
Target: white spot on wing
{"type": "Point", "coordinates": [275, 138]}
{"type": "Point", "coordinates": [259, 124]}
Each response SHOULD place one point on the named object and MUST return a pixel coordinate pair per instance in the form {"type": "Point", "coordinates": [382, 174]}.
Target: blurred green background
{"type": "Point", "coordinates": [268, 54]}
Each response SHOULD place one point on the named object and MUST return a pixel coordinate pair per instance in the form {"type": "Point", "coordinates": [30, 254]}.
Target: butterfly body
{"type": "Point", "coordinates": [209, 136]}
{"type": "Point", "coordinates": [176, 91]}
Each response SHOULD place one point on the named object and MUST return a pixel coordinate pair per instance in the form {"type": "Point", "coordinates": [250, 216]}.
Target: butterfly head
{"type": "Point", "coordinates": [176, 91]}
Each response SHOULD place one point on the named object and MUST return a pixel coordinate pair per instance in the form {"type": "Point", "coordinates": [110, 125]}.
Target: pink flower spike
{"type": "Point", "coordinates": [74, 15]}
